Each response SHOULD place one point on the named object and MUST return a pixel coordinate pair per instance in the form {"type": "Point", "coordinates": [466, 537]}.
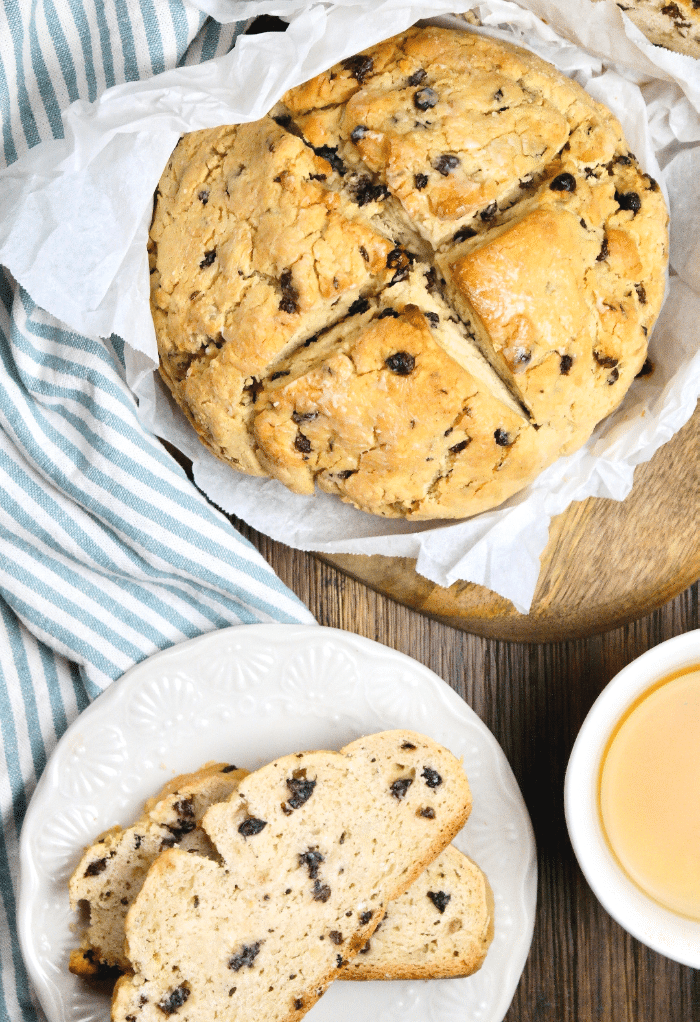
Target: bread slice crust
{"type": "Point", "coordinates": [452, 894]}
{"type": "Point", "coordinates": [112, 869]}
{"type": "Point", "coordinates": [313, 846]}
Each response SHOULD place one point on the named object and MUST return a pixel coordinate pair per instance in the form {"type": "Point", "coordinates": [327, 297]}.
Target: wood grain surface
{"type": "Point", "coordinates": [607, 562]}
{"type": "Point", "coordinates": [582, 966]}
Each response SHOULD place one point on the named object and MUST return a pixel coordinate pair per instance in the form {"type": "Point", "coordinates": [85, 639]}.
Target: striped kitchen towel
{"type": "Point", "coordinates": [107, 552]}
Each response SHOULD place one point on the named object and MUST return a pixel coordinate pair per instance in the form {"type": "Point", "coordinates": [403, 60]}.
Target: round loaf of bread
{"type": "Point", "coordinates": [427, 274]}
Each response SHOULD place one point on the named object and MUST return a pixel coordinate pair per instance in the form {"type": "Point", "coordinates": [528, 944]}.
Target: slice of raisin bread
{"type": "Point", "coordinates": [112, 870]}
{"type": "Point", "coordinates": [409, 948]}
{"type": "Point", "coordinates": [313, 846]}
{"type": "Point", "coordinates": [441, 927]}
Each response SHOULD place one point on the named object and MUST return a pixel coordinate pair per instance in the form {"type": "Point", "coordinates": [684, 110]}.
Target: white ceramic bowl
{"type": "Point", "coordinates": [664, 931]}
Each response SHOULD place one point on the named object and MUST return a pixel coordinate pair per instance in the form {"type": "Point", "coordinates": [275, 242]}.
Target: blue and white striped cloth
{"type": "Point", "coordinates": [107, 552]}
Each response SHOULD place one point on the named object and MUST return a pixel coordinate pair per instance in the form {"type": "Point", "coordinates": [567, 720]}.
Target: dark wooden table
{"type": "Point", "coordinates": [582, 966]}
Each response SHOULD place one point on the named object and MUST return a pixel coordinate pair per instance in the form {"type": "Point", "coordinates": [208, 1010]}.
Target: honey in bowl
{"type": "Point", "coordinates": [649, 792]}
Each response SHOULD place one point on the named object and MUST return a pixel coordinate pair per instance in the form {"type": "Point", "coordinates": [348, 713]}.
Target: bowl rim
{"type": "Point", "coordinates": [671, 935]}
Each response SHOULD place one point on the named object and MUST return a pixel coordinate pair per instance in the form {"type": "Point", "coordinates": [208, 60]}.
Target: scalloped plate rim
{"type": "Point", "coordinates": [52, 993]}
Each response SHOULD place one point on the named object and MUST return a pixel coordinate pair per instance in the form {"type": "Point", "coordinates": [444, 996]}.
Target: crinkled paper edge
{"type": "Point", "coordinates": [139, 123]}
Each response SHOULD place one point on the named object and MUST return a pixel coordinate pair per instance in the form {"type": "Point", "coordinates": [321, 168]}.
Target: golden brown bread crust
{"type": "Point", "coordinates": [440, 173]}
{"type": "Point", "coordinates": [253, 254]}
{"type": "Point", "coordinates": [391, 437]}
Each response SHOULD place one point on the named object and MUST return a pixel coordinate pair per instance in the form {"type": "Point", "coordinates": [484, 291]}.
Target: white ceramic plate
{"type": "Point", "coordinates": [246, 695]}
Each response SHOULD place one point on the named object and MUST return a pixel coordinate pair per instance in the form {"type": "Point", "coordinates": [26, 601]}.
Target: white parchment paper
{"type": "Point", "coordinates": [74, 218]}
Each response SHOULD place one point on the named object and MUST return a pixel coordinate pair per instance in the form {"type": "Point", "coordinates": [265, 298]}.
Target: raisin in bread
{"type": "Point", "coordinates": [443, 221]}
{"type": "Point", "coordinates": [674, 25]}
{"type": "Point", "coordinates": [313, 846]}
{"type": "Point", "coordinates": [112, 869]}
{"type": "Point", "coordinates": [421, 457]}
{"type": "Point", "coordinates": [441, 927]}
{"type": "Point", "coordinates": [419, 954]}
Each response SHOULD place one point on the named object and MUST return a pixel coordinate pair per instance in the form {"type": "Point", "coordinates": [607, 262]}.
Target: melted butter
{"type": "Point", "coordinates": [649, 792]}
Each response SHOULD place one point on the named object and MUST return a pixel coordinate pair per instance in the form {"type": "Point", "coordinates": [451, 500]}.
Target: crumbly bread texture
{"type": "Point", "coordinates": [441, 927]}
{"type": "Point", "coordinates": [452, 894]}
{"type": "Point", "coordinates": [431, 270]}
{"type": "Point", "coordinates": [673, 25]}
{"type": "Point", "coordinates": [313, 846]}
{"type": "Point", "coordinates": [112, 870]}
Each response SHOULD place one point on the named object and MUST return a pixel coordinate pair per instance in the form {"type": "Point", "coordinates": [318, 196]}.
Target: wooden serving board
{"type": "Point", "coordinates": [607, 562]}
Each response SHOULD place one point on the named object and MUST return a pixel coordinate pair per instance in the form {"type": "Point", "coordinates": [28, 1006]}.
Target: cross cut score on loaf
{"type": "Point", "coordinates": [312, 848]}
{"type": "Point", "coordinates": [427, 274]}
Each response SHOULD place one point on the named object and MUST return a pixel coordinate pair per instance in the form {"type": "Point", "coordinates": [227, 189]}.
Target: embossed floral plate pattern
{"type": "Point", "coordinates": [246, 695]}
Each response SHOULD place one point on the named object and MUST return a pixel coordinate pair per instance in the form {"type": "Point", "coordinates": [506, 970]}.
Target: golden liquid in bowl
{"type": "Point", "coordinates": [649, 792]}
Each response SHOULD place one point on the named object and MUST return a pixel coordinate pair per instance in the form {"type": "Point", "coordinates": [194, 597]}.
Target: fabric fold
{"type": "Point", "coordinates": [108, 553]}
